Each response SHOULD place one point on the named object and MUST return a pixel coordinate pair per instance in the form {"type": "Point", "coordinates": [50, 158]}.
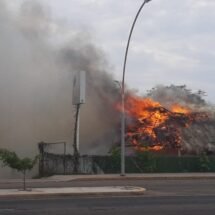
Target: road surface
{"type": "Point", "coordinates": [180, 205]}
{"type": "Point", "coordinates": [175, 197]}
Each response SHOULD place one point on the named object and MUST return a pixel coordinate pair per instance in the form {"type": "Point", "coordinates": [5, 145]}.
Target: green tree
{"type": "Point", "coordinates": [12, 160]}
{"type": "Point", "coordinates": [146, 161]}
{"type": "Point", "coordinates": [204, 162]}
{"type": "Point", "coordinates": [115, 158]}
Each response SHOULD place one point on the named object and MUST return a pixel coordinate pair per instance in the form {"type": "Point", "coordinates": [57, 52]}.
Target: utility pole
{"type": "Point", "coordinates": [79, 88]}
{"type": "Point", "coordinates": [123, 91]}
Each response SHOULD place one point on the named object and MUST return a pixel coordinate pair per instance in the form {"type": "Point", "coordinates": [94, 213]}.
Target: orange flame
{"type": "Point", "coordinates": [176, 108]}
{"type": "Point", "coordinates": [153, 127]}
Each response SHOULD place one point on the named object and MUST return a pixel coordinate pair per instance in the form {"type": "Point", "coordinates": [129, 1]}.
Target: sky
{"type": "Point", "coordinates": [173, 41]}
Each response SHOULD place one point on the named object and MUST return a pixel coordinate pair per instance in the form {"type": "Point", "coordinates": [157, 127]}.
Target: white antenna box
{"type": "Point", "coordinates": [79, 88]}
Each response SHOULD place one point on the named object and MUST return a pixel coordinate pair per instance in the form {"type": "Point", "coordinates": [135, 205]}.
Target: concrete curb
{"type": "Point", "coordinates": [132, 177]}
{"type": "Point", "coordinates": [140, 178]}
{"type": "Point", "coordinates": [71, 192]}
{"type": "Point", "coordinates": [154, 176]}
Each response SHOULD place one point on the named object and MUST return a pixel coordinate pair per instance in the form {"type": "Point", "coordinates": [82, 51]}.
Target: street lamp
{"type": "Point", "coordinates": [123, 93]}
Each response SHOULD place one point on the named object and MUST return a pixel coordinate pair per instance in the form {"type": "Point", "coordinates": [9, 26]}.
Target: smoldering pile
{"type": "Point", "coordinates": [170, 117]}
{"type": "Point", "coordinates": [199, 136]}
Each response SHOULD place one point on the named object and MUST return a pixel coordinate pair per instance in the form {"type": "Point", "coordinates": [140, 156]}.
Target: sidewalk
{"type": "Point", "coordinates": [71, 191]}
{"type": "Point", "coordinates": [141, 176]}
{"type": "Point", "coordinates": [40, 192]}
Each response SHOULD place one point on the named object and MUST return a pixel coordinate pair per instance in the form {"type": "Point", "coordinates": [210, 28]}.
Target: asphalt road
{"type": "Point", "coordinates": [157, 205]}
{"type": "Point", "coordinates": [159, 187]}
{"type": "Point", "coordinates": [181, 197]}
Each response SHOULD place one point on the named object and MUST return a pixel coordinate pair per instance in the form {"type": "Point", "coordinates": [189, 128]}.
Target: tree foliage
{"type": "Point", "coordinates": [204, 162]}
{"type": "Point", "coordinates": [11, 160]}
{"type": "Point", "coordinates": [146, 160]}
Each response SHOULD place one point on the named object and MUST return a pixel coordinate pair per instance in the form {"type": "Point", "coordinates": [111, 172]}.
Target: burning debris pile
{"type": "Point", "coordinates": [153, 126]}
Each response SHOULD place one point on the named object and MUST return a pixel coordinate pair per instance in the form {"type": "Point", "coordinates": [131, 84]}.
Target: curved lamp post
{"type": "Point", "coordinates": [123, 93]}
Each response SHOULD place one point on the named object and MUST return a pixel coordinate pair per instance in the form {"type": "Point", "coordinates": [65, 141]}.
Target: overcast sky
{"type": "Point", "coordinates": [173, 41]}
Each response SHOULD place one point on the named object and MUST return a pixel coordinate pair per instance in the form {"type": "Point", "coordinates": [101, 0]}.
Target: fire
{"type": "Point", "coordinates": [150, 126]}
{"type": "Point", "coordinates": [176, 108]}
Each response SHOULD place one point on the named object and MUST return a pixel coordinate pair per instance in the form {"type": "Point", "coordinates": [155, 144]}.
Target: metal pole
{"type": "Point", "coordinates": [123, 93]}
{"type": "Point", "coordinates": [76, 139]}
{"type": "Point", "coordinates": [64, 158]}
{"type": "Point", "coordinates": [78, 130]}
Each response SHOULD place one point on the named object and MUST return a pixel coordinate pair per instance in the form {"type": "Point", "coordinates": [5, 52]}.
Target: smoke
{"type": "Point", "coordinates": [37, 64]}
{"type": "Point", "coordinates": [169, 95]}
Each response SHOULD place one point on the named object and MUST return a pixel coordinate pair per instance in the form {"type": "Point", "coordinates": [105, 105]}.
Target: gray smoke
{"type": "Point", "coordinates": [36, 74]}
{"type": "Point", "coordinates": [169, 95]}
